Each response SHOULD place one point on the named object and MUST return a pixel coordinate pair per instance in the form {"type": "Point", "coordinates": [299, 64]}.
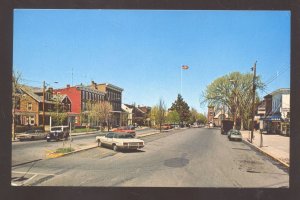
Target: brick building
{"type": "Point", "coordinates": [113, 94]}
{"type": "Point", "coordinates": [80, 96]}
{"type": "Point", "coordinates": [30, 104]}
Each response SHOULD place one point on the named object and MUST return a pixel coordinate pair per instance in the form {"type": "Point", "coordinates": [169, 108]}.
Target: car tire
{"type": "Point", "coordinates": [114, 147]}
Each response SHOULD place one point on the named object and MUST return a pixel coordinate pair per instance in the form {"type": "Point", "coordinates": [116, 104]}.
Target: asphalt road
{"type": "Point", "coordinates": [29, 151]}
{"type": "Point", "coordinates": [182, 158]}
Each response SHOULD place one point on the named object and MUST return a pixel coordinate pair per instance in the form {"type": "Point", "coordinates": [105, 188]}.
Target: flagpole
{"type": "Point", "coordinates": [183, 67]}
{"type": "Point", "coordinates": [181, 81]}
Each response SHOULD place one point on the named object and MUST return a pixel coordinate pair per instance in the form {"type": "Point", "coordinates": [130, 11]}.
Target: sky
{"type": "Point", "coordinates": [142, 51]}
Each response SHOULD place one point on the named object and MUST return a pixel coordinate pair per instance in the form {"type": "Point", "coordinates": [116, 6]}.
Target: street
{"type": "Point", "coordinates": [197, 157]}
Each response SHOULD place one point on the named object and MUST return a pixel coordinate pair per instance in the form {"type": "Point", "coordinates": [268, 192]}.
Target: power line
{"type": "Point", "coordinates": [276, 76]}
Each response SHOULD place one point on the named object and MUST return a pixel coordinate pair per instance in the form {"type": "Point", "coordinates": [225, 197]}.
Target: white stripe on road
{"type": "Point", "coordinates": [29, 179]}
{"type": "Point", "coordinates": [18, 172]}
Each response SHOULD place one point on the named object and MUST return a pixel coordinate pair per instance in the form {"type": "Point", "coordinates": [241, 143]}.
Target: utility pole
{"type": "Point", "coordinates": [44, 105]}
{"type": "Point", "coordinates": [253, 99]}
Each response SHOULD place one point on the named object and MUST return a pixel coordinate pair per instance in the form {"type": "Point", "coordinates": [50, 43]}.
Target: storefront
{"type": "Point", "coordinates": [272, 124]}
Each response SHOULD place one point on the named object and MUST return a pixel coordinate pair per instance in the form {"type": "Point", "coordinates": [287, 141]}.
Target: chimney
{"type": "Point", "coordinates": [68, 85]}
{"type": "Point", "coordinates": [94, 85]}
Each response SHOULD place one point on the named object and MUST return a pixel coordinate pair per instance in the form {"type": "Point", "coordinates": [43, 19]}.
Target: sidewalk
{"type": "Point", "coordinates": [275, 146]}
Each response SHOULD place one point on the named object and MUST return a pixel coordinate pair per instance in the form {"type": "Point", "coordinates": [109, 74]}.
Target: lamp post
{"type": "Point", "coordinates": [253, 99]}
{"type": "Point", "coordinates": [183, 67]}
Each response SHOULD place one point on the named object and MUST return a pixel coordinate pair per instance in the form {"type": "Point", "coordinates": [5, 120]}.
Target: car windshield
{"type": "Point", "coordinates": [127, 136]}
{"type": "Point", "coordinates": [235, 133]}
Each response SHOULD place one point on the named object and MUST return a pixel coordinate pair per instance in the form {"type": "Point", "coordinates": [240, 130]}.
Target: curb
{"type": "Point", "coordinates": [266, 153]}
{"type": "Point", "coordinates": [58, 155]}
{"type": "Point", "coordinates": [147, 134]}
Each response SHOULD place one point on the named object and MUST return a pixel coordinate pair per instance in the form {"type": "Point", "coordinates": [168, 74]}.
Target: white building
{"type": "Point", "coordinates": [281, 102]}
{"type": "Point", "coordinates": [279, 118]}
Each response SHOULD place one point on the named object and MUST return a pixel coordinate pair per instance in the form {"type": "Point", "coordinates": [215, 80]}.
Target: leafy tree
{"type": "Point", "coordinates": [153, 115]}
{"type": "Point", "coordinates": [202, 119]}
{"type": "Point", "coordinates": [233, 91]}
{"type": "Point", "coordinates": [158, 114]}
{"type": "Point", "coordinates": [194, 117]}
{"type": "Point", "coordinates": [58, 116]}
{"type": "Point", "coordinates": [173, 117]}
{"type": "Point", "coordinates": [182, 108]}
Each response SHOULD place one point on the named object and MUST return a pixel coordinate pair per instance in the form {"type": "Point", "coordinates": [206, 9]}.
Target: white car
{"type": "Point", "coordinates": [234, 135]}
{"type": "Point", "coordinates": [31, 135]}
{"type": "Point", "coordinates": [120, 141]}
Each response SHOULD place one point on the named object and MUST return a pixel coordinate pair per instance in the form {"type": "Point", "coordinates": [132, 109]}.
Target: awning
{"type": "Point", "coordinates": [274, 118]}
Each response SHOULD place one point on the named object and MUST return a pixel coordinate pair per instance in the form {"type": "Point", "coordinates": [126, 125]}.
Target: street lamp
{"type": "Point", "coordinates": [183, 67]}
{"type": "Point", "coordinates": [253, 99]}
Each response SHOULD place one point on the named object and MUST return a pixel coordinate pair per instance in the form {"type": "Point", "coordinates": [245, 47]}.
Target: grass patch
{"type": "Point", "coordinates": [82, 130]}
{"type": "Point", "coordinates": [64, 150]}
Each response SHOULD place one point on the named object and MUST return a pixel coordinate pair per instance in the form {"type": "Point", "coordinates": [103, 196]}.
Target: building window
{"type": "Point", "coordinates": [29, 106]}
{"type": "Point", "coordinates": [32, 120]}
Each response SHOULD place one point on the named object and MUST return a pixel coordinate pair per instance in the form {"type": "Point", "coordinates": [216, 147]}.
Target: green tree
{"type": "Point", "coordinates": [153, 115]}
{"type": "Point", "coordinates": [202, 119]}
{"type": "Point", "coordinates": [194, 116]}
{"type": "Point", "coordinates": [58, 116]}
{"type": "Point", "coordinates": [233, 91]}
{"type": "Point", "coordinates": [182, 108]}
{"type": "Point", "coordinates": [173, 117]}
{"type": "Point", "coordinates": [158, 114]}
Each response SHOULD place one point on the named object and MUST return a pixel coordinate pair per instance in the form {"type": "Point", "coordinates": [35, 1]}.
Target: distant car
{"type": "Point", "coordinates": [125, 129]}
{"type": "Point", "coordinates": [234, 135]}
{"type": "Point", "coordinates": [196, 126]}
{"type": "Point", "coordinates": [58, 133]}
{"type": "Point", "coordinates": [120, 141]}
{"type": "Point", "coordinates": [31, 135]}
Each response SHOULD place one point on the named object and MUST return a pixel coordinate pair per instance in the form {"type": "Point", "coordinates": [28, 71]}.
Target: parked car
{"type": "Point", "coordinates": [120, 141]}
{"type": "Point", "coordinates": [58, 133]}
{"type": "Point", "coordinates": [32, 135]}
{"type": "Point", "coordinates": [195, 126]}
{"type": "Point", "coordinates": [125, 129]}
{"type": "Point", "coordinates": [234, 135]}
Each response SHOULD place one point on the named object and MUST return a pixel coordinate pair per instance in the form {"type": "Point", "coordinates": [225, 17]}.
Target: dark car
{"type": "Point", "coordinates": [58, 133]}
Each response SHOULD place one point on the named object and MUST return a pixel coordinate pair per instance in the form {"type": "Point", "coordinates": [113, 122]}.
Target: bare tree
{"type": "Point", "coordinates": [15, 98]}
{"type": "Point", "coordinates": [102, 112]}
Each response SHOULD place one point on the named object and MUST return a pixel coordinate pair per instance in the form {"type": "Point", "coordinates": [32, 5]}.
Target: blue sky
{"type": "Point", "coordinates": [143, 51]}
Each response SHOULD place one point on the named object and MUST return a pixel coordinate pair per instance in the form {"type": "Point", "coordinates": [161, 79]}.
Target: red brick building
{"type": "Point", "coordinates": [79, 96]}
